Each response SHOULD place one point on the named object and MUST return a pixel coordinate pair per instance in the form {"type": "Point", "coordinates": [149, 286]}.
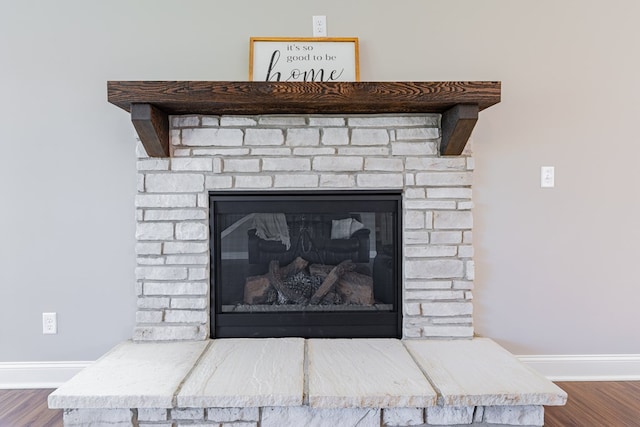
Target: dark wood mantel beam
{"type": "Point", "coordinates": [152, 102]}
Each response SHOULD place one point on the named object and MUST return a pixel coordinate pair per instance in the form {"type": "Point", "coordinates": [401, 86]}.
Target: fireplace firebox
{"type": "Point", "coordinates": [306, 264]}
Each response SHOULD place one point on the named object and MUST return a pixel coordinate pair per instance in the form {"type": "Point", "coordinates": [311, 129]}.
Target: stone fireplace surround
{"type": "Point", "coordinates": [166, 375]}
{"type": "Point", "coordinates": [267, 153]}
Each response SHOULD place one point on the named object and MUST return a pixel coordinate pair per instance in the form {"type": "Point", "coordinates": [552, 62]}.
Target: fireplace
{"type": "Point", "coordinates": [344, 217]}
{"type": "Point", "coordinates": [306, 264]}
{"type": "Point", "coordinates": [202, 142]}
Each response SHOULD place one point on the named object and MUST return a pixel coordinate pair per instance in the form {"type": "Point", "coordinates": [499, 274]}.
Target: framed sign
{"type": "Point", "coordinates": [317, 59]}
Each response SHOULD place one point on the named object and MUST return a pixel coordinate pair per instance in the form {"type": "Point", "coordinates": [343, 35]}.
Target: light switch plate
{"type": "Point", "coordinates": [547, 177]}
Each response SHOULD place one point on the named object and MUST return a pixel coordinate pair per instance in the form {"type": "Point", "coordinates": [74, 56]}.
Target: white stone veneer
{"type": "Point", "coordinates": [283, 416]}
{"type": "Point", "coordinates": [303, 152]}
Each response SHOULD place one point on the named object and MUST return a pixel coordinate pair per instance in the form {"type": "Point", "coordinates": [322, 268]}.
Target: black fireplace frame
{"type": "Point", "coordinates": [306, 324]}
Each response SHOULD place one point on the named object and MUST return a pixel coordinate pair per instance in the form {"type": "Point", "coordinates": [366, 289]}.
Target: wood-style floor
{"type": "Point", "coordinates": [597, 404]}
{"type": "Point", "coordinates": [27, 408]}
{"type": "Point", "coordinates": [591, 404]}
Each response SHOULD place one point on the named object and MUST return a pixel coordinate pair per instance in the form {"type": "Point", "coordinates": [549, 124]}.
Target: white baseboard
{"type": "Point", "coordinates": [596, 367]}
{"type": "Point", "coordinates": [603, 367]}
{"type": "Point", "coordinates": [15, 375]}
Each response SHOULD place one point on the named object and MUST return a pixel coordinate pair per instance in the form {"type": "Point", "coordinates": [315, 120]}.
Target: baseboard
{"type": "Point", "coordinates": [597, 367]}
{"type": "Point", "coordinates": [15, 375]}
{"type": "Point", "coordinates": [603, 367]}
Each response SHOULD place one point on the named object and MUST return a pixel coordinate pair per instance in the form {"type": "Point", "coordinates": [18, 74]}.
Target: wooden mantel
{"type": "Point", "coordinates": [152, 102]}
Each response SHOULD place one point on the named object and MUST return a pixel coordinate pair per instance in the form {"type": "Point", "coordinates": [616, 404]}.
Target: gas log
{"type": "Point", "coordinates": [330, 281]}
{"type": "Point", "coordinates": [319, 284]}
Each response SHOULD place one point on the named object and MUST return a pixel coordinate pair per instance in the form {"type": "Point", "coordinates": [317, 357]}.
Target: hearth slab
{"type": "Point", "coordinates": [480, 372]}
{"type": "Point", "coordinates": [365, 373]}
{"type": "Point", "coordinates": [334, 374]}
{"type": "Point", "coordinates": [132, 375]}
{"type": "Point", "coordinates": [247, 373]}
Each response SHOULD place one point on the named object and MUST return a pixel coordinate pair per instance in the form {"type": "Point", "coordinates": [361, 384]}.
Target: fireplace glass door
{"type": "Point", "coordinates": [313, 264]}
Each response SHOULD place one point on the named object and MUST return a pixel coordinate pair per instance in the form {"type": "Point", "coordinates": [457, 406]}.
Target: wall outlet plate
{"type": "Point", "coordinates": [49, 323]}
{"type": "Point", "coordinates": [320, 26]}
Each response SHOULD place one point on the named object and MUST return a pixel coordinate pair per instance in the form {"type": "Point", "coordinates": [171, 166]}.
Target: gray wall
{"type": "Point", "coordinates": [556, 270]}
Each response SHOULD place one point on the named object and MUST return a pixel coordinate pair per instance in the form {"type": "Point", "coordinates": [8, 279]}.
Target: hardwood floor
{"type": "Point", "coordinates": [598, 404]}
{"type": "Point", "coordinates": [591, 404]}
{"type": "Point", "coordinates": [27, 408]}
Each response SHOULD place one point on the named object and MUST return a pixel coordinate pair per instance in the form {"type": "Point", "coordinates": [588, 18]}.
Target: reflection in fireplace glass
{"type": "Point", "coordinates": [306, 259]}
{"type": "Point", "coordinates": [305, 253]}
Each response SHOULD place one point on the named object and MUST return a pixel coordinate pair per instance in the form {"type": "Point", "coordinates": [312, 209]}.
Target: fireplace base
{"type": "Point", "coordinates": [292, 381]}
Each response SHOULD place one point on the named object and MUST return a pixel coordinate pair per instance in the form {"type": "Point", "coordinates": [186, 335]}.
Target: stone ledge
{"type": "Point", "coordinates": [131, 376]}
{"type": "Point", "coordinates": [340, 374]}
{"type": "Point", "coordinates": [365, 373]}
{"type": "Point", "coordinates": [247, 373]}
{"type": "Point", "coordinates": [479, 372]}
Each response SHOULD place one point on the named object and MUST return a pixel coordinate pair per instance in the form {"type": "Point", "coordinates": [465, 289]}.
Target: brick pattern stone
{"type": "Point", "coordinates": [303, 152]}
{"type": "Point", "coordinates": [305, 415]}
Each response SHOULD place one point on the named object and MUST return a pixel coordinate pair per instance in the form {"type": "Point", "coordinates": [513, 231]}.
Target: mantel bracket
{"type": "Point", "coordinates": [152, 125]}
{"type": "Point", "coordinates": [457, 124]}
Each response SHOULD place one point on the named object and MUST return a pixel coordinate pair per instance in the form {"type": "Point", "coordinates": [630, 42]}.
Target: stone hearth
{"type": "Point", "coordinates": [318, 382]}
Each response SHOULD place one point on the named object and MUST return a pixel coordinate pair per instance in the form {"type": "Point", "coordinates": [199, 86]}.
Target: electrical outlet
{"type": "Point", "coordinates": [547, 176]}
{"type": "Point", "coordinates": [49, 323]}
{"type": "Point", "coordinates": [320, 26]}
